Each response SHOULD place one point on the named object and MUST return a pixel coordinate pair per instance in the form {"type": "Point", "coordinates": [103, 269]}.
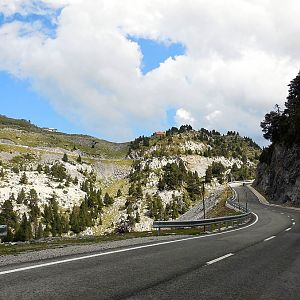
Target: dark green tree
{"type": "Point", "coordinates": [79, 159]}
{"type": "Point", "coordinates": [23, 179]}
{"type": "Point", "coordinates": [119, 193]}
{"type": "Point", "coordinates": [24, 232]}
{"type": "Point", "coordinates": [8, 217]}
{"type": "Point", "coordinates": [108, 200]}
{"type": "Point", "coordinates": [65, 158]}
{"type": "Point", "coordinates": [21, 197]}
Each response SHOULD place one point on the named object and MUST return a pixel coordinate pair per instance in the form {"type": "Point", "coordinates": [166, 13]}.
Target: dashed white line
{"type": "Point", "coordinates": [288, 229]}
{"type": "Point", "coordinates": [269, 238]}
{"type": "Point", "coordinates": [282, 213]}
{"type": "Point", "coordinates": [293, 223]}
{"type": "Point", "coordinates": [219, 258]}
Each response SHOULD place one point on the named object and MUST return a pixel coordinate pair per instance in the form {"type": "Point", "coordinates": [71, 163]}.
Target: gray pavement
{"type": "Point", "coordinates": [262, 262]}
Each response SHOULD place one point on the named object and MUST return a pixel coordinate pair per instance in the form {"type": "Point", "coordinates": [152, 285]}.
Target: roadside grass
{"type": "Point", "coordinates": [14, 249]}
{"type": "Point", "coordinates": [221, 210]}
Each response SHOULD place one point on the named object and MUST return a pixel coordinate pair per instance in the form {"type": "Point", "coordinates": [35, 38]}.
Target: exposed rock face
{"type": "Point", "coordinates": [280, 178]}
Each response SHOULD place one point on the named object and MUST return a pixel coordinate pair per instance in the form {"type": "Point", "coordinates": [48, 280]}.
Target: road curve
{"type": "Point", "coordinates": [258, 262]}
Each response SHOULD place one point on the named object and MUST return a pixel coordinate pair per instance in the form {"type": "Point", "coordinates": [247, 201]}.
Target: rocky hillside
{"type": "Point", "coordinates": [54, 184]}
{"type": "Point", "coordinates": [173, 170]}
{"type": "Point", "coordinates": [278, 173]}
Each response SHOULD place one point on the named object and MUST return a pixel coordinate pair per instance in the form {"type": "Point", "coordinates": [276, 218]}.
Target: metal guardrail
{"type": "Point", "coordinates": [227, 220]}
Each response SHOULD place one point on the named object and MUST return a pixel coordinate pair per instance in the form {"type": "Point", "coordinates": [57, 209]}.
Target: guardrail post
{"type": "Point", "coordinates": [219, 227]}
{"type": "Point", "coordinates": [158, 231]}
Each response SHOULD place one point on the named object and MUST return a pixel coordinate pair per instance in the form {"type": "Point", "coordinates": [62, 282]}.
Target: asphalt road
{"type": "Point", "coordinates": [260, 262]}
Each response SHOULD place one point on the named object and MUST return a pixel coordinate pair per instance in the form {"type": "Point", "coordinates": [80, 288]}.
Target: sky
{"type": "Point", "coordinates": [119, 69]}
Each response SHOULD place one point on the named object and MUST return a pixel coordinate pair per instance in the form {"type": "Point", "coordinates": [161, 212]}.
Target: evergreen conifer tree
{"type": "Point", "coordinates": [65, 158]}
{"type": "Point", "coordinates": [79, 159]}
{"type": "Point", "coordinates": [24, 179]}
{"type": "Point", "coordinates": [21, 196]}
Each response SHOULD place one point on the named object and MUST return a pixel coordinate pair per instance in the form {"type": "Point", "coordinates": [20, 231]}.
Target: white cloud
{"type": "Point", "coordinates": [240, 57]}
{"type": "Point", "coordinates": [184, 117]}
{"type": "Point", "coordinates": [210, 117]}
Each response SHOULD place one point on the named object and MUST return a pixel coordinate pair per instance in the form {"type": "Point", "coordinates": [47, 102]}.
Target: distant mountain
{"type": "Point", "coordinates": [54, 184]}
{"type": "Point", "coordinates": [22, 132]}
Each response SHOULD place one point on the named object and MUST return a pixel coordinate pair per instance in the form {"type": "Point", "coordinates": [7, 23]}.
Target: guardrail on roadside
{"type": "Point", "coordinates": [226, 221]}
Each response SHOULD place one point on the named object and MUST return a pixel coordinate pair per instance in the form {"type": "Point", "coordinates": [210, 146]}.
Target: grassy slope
{"type": "Point", "coordinates": [21, 132]}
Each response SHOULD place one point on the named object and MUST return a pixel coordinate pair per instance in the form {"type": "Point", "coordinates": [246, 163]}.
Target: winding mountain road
{"type": "Point", "coordinates": [261, 261]}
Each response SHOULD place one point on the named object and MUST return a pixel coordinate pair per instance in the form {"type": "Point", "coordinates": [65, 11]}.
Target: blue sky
{"type": "Point", "coordinates": [218, 69]}
{"type": "Point", "coordinates": [19, 100]}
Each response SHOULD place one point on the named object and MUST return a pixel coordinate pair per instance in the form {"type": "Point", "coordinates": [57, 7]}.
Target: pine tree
{"type": "Point", "coordinates": [75, 220]}
{"type": "Point", "coordinates": [79, 159]}
{"type": "Point", "coordinates": [65, 158]}
{"type": "Point", "coordinates": [108, 200]}
{"type": "Point", "coordinates": [21, 197]}
{"type": "Point", "coordinates": [24, 233]}
{"type": "Point", "coordinates": [46, 169]}
{"type": "Point", "coordinates": [33, 205]}
{"type": "Point", "coordinates": [39, 168]}
{"type": "Point", "coordinates": [75, 181]}
{"type": "Point", "coordinates": [137, 217]}
{"type": "Point", "coordinates": [8, 216]}
{"type": "Point", "coordinates": [119, 193]}
{"type": "Point", "coordinates": [12, 197]}
{"type": "Point", "coordinates": [208, 175]}
{"type": "Point", "coordinates": [23, 179]}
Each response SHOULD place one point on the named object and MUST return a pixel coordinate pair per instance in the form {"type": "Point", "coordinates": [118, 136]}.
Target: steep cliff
{"type": "Point", "coordinates": [278, 177]}
{"type": "Point", "coordinates": [278, 173]}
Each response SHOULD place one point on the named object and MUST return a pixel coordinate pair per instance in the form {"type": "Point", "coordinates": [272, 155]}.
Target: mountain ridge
{"type": "Point", "coordinates": [53, 184]}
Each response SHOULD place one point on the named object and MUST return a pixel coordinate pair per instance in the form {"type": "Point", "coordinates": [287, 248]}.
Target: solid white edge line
{"type": "Point", "coordinates": [269, 238]}
{"type": "Point", "coordinates": [288, 229]}
{"type": "Point", "coordinates": [219, 258]}
{"type": "Point", "coordinates": [122, 250]}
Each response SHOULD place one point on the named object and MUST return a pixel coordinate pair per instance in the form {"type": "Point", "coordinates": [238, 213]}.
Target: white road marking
{"type": "Point", "coordinates": [292, 219]}
{"type": "Point", "coordinates": [269, 238]}
{"type": "Point", "coordinates": [288, 229]}
{"type": "Point", "coordinates": [121, 250]}
{"type": "Point", "coordinates": [219, 258]}
{"type": "Point", "coordinates": [282, 213]}
{"type": "Point", "coordinates": [294, 223]}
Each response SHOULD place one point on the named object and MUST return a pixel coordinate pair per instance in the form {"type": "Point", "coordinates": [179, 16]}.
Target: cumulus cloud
{"type": "Point", "coordinates": [210, 117]}
{"type": "Point", "coordinates": [240, 56]}
{"type": "Point", "coordinates": [184, 117]}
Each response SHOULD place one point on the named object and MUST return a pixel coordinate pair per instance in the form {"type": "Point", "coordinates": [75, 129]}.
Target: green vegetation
{"type": "Point", "coordinates": [283, 126]}
{"type": "Point", "coordinates": [221, 210]}
{"type": "Point", "coordinates": [22, 132]}
{"type": "Point", "coordinates": [215, 144]}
